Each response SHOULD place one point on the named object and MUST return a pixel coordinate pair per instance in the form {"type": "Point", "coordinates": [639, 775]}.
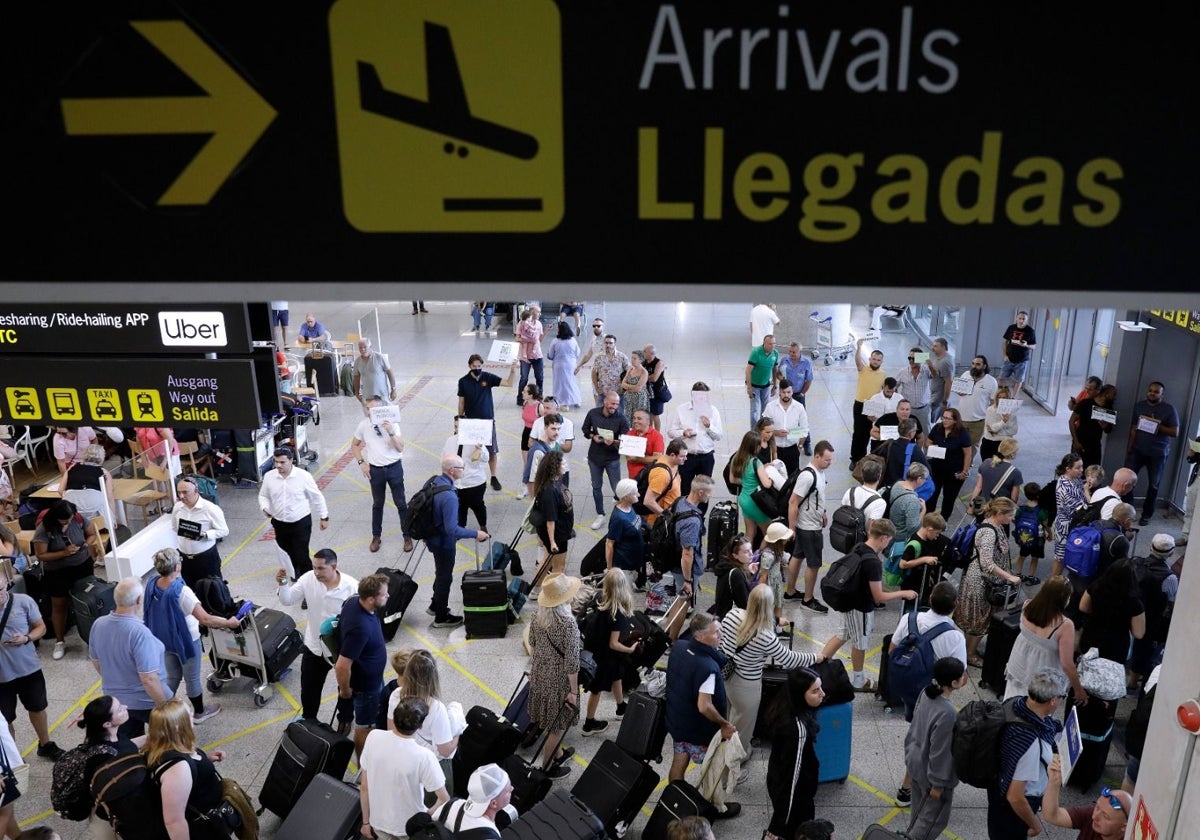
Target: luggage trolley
{"type": "Point", "coordinates": [240, 653]}
{"type": "Point", "coordinates": [825, 340]}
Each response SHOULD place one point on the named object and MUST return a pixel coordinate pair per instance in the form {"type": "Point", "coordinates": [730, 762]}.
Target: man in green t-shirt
{"type": "Point", "coordinates": [760, 376]}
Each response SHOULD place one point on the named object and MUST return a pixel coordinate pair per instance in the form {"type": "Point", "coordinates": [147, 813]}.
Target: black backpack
{"type": "Point", "coordinates": [127, 795]}
{"type": "Point", "coordinates": [848, 525]}
{"type": "Point", "coordinates": [842, 587]}
{"type": "Point", "coordinates": [213, 594]}
{"type": "Point", "coordinates": [422, 524]}
{"type": "Point", "coordinates": [782, 495]}
{"type": "Point", "coordinates": [733, 487]}
{"type": "Point", "coordinates": [1086, 514]}
{"type": "Point", "coordinates": [1139, 724]}
{"type": "Point", "coordinates": [1047, 500]}
{"type": "Point", "coordinates": [70, 795]}
{"type": "Point", "coordinates": [663, 541]}
{"type": "Point", "coordinates": [643, 484]}
{"type": "Point", "coordinates": [977, 740]}
{"type": "Point", "coordinates": [1150, 574]}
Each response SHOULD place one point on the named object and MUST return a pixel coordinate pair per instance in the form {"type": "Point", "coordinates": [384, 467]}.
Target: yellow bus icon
{"type": "Point", "coordinates": [449, 114]}
{"type": "Point", "coordinates": [64, 404]}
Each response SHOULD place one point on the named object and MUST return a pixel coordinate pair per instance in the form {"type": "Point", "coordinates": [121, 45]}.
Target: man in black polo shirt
{"type": "Point", "coordinates": [475, 401]}
{"type": "Point", "coordinates": [604, 426]}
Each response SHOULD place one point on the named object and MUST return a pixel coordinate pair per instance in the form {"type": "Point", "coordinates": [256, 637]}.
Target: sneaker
{"type": "Point", "coordinates": [523, 495]}
{"type": "Point", "coordinates": [1144, 521]}
{"type": "Point", "coordinates": [210, 711]}
{"type": "Point", "coordinates": [903, 797]}
{"type": "Point", "coordinates": [592, 726]}
{"type": "Point", "coordinates": [732, 809]}
{"type": "Point", "coordinates": [495, 483]}
{"type": "Point", "coordinates": [448, 620]}
{"type": "Point", "coordinates": [60, 650]}
{"type": "Point", "coordinates": [814, 605]}
{"type": "Point", "coordinates": [50, 750]}
{"type": "Point", "coordinates": [794, 596]}
{"type": "Point", "coordinates": [621, 710]}
{"type": "Point", "coordinates": [560, 771]}
{"type": "Point", "coordinates": [430, 611]}
{"type": "Point", "coordinates": [597, 523]}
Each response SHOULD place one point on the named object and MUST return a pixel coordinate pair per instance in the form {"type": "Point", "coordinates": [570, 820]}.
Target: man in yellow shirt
{"type": "Point", "coordinates": [870, 382]}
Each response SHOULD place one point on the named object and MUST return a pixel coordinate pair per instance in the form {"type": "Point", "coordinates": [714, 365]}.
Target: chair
{"type": "Point", "coordinates": [35, 442]}
{"type": "Point", "coordinates": [24, 538]}
{"type": "Point", "coordinates": [200, 464]}
{"type": "Point", "coordinates": [23, 451]}
{"type": "Point", "coordinates": [151, 497]}
{"type": "Point", "coordinates": [137, 464]}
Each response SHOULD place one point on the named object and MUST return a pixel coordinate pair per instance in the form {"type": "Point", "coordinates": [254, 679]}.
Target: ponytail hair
{"type": "Point", "coordinates": [946, 671]}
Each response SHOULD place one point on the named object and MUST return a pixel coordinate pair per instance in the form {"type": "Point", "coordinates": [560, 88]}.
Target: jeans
{"type": "Point", "coordinates": [486, 313]}
{"type": "Point", "coordinates": [443, 577]}
{"type": "Point", "coordinates": [613, 468]}
{"type": "Point", "coordinates": [292, 538]}
{"type": "Point", "coordinates": [695, 465]}
{"type": "Point", "coordinates": [382, 477]}
{"type": "Point", "coordinates": [313, 671]}
{"type": "Point", "coordinates": [1154, 465]}
{"type": "Point", "coordinates": [189, 670]}
{"type": "Point", "coordinates": [758, 401]}
{"type": "Point", "coordinates": [536, 364]}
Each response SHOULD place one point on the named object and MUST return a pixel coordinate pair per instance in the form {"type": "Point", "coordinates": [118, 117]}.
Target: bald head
{"type": "Point", "coordinates": [1123, 481]}
{"type": "Point", "coordinates": [128, 592]}
{"type": "Point", "coordinates": [451, 463]}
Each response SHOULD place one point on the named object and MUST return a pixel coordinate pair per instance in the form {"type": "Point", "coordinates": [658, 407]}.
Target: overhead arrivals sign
{"type": "Point", "coordinates": [1016, 146]}
{"type": "Point", "coordinates": [129, 392]}
{"type": "Point", "coordinates": [124, 328]}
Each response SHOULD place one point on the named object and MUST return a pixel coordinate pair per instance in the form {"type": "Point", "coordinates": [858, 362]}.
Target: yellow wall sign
{"type": "Point", "coordinates": [449, 114]}
{"type": "Point", "coordinates": [145, 405]}
{"type": "Point", "coordinates": [105, 404]}
{"type": "Point", "coordinates": [64, 404]}
{"type": "Point", "coordinates": [23, 404]}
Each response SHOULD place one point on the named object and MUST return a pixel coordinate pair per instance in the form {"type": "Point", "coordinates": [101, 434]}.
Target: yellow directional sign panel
{"type": "Point", "coordinates": [144, 404]}
{"type": "Point", "coordinates": [449, 114]}
{"type": "Point", "coordinates": [64, 404]}
{"type": "Point", "coordinates": [230, 110]}
{"type": "Point", "coordinates": [105, 404]}
{"type": "Point", "coordinates": [23, 404]}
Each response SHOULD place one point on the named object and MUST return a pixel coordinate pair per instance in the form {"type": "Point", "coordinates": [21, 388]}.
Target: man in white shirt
{"type": "Point", "coordinates": [471, 486]}
{"type": "Point", "coordinates": [791, 425]}
{"type": "Point", "coordinates": [287, 496]}
{"type": "Point", "coordinates": [971, 394]}
{"type": "Point", "coordinates": [325, 589]}
{"type": "Point", "coordinates": [807, 517]}
{"type": "Point", "coordinates": [489, 793]}
{"type": "Point", "coordinates": [871, 471]}
{"type": "Point", "coordinates": [762, 322]}
{"type": "Point", "coordinates": [1123, 481]}
{"type": "Point", "coordinates": [396, 772]}
{"type": "Point", "coordinates": [378, 448]}
{"type": "Point", "coordinates": [700, 431]}
{"type": "Point", "coordinates": [198, 524]}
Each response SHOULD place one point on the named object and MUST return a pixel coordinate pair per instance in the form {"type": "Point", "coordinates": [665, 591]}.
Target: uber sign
{"type": "Point", "coordinates": [192, 329]}
{"type": "Point", "coordinates": [125, 328]}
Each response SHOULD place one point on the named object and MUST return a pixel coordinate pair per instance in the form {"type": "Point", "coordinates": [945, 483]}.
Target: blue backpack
{"type": "Point", "coordinates": [1082, 552]}
{"type": "Point", "coordinates": [910, 665]}
{"type": "Point", "coordinates": [1025, 526]}
{"type": "Point", "coordinates": [925, 491]}
{"type": "Point", "coordinates": [963, 542]}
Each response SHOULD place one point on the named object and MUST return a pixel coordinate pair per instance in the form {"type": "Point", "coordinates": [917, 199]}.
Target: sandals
{"type": "Point", "coordinates": [975, 661]}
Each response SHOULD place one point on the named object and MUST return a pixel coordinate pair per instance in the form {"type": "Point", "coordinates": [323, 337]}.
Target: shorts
{"type": "Point", "coordinates": [1036, 549]}
{"type": "Point", "coordinates": [525, 433]}
{"type": "Point", "coordinates": [366, 707]}
{"type": "Point", "coordinates": [60, 581]}
{"type": "Point", "coordinates": [30, 689]}
{"type": "Point", "coordinates": [856, 628]}
{"type": "Point", "coordinates": [1014, 370]}
{"type": "Point", "coordinates": [695, 752]}
{"type": "Point", "coordinates": [568, 309]}
{"type": "Point", "coordinates": [279, 317]}
{"type": "Point", "coordinates": [809, 545]}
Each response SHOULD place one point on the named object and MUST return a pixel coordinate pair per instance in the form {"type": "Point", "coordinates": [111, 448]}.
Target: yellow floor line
{"type": "Point", "coordinates": [462, 670]}
{"type": "Point", "coordinates": [287, 695]}
{"type": "Point", "coordinates": [68, 714]}
{"type": "Point", "coordinates": [262, 725]}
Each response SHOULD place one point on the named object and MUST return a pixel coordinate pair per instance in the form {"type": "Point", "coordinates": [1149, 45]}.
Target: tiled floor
{"type": "Point", "coordinates": [429, 352]}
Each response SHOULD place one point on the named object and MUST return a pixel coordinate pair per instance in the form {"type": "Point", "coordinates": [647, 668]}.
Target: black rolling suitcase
{"type": "Point", "coordinates": [1096, 730]}
{"type": "Point", "coordinates": [224, 454]}
{"type": "Point", "coordinates": [329, 810]}
{"type": "Point", "coordinates": [308, 747]}
{"type": "Point", "coordinates": [655, 640]}
{"type": "Point", "coordinates": [722, 525]}
{"type": "Point", "coordinates": [488, 739]}
{"type": "Point", "coordinates": [485, 603]}
{"type": "Point", "coordinates": [90, 599]}
{"type": "Point", "coordinates": [594, 562]}
{"type": "Point", "coordinates": [517, 710]}
{"type": "Point", "coordinates": [678, 800]}
{"type": "Point", "coordinates": [643, 731]}
{"type": "Point", "coordinates": [281, 641]}
{"type": "Point", "coordinates": [615, 786]}
{"type": "Point", "coordinates": [530, 782]}
{"type": "Point", "coordinates": [560, 816]}
{"type": "Point", "coordinates": [1002, 634]}
{"type": "Point", "coordinates": [320, 374]}
{"type": "Point", "coordinates": [883, 689]}
{"type": "Point", "coordinates": [401, 589]}
{"type": "Point", "coordinates": [773, 681]}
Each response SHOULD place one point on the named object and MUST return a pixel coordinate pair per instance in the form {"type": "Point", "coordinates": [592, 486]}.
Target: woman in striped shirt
{"type": "Point", "coordinates": [748, 637]}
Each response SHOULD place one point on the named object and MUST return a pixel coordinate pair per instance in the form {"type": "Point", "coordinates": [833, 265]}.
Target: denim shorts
{"type": "Point", "coordinates": [366, 707]}
{"type": "Point", "coordinates": [1014, 370]}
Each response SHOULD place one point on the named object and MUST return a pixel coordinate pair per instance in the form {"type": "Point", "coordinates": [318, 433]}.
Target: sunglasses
{"type": "Point", "coordinates": [1112, 799]}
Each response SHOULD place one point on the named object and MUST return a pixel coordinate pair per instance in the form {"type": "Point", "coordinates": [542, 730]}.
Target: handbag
{"type": "Point", "coordinates": [535, 517]}
{"type": "Point", "coordinates": [1101, 677]}
{"type": "Point", "coordinates": [662, 391]}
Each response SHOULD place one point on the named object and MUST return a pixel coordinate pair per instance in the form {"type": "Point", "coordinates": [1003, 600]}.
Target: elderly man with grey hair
{"type": "Point", "coordinates": [129, 658]}
{"type": "Point", "coordinates": [442, 542]}
{"type": "Point", "coordinates": [372, 373]}
{"type": "Point", "coordinates": [1026, 750]}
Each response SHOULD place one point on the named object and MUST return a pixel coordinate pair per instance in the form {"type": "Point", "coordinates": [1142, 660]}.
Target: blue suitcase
{"type": "Point", "coordinates": [834, 741]}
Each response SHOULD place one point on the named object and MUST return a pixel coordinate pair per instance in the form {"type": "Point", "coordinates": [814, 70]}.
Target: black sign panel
{"type": "Point", "coordinates": [125, 328]}
{"type": "Point", "coordinates": [129, 392]}
{"type": "Point", "coordinates": [1011, 145]}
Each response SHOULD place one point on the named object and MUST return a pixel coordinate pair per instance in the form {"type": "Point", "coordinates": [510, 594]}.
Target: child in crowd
{"type": "Point", "coordinates": [925, 559]}
{"type": "Point", "coordinates": [530, 411]}
{"type": "Point", "coordinates": [1029, 529]}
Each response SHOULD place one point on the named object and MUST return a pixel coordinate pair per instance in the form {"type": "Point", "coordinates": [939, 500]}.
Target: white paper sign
{"type": "Point", "coordinates": [1194, 445]}
{"type": "Point", "coordinates": [504, 352]}
{"type": "Point", "coordinates": [702, 404]}
{"type": "Point", "coordinates": [1009, 406]}
{"type": "Point", "coordinates": [963, 386]}
{"type": "Point", "coordinates": [935, 451]}
{"type": "Point", "coordinates": [475, 432]}
{"type": "Point", "coordinates": [920, 358]}
{"type": "Point", "coordinates": [1148, 425]}
{"type": "Point", "coordinates": [633, 445]}
{"type": "Point", "coordinates": [889, 432]}
{"type": "Point", "coordinates": [606, 434]}
{"type": "Point", "coordinates": [875, 407]}
{"type": "Point", "coordinates": [380, 413]}
{"type": "Point", "coordinates": [797, 433]}
{"type": "Point", "coordinates": [1106, 415]}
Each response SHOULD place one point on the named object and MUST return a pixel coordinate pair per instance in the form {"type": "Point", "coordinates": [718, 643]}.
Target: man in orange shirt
{"type": "Point", "coordinates": [662, 485]}
{"type": "Point", "coordinates": [654, 443]}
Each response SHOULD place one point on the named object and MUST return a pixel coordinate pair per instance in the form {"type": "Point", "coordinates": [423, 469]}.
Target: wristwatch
{"type": "Point", "coordinates": [360, 460]}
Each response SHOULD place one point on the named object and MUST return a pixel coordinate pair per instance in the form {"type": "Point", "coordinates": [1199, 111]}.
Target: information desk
{"type": "Point", "coordinates": [135, 556]}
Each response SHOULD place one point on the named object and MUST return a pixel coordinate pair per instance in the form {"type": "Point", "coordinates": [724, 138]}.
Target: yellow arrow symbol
{"type": "Point", "coordinates": [232, 112]}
